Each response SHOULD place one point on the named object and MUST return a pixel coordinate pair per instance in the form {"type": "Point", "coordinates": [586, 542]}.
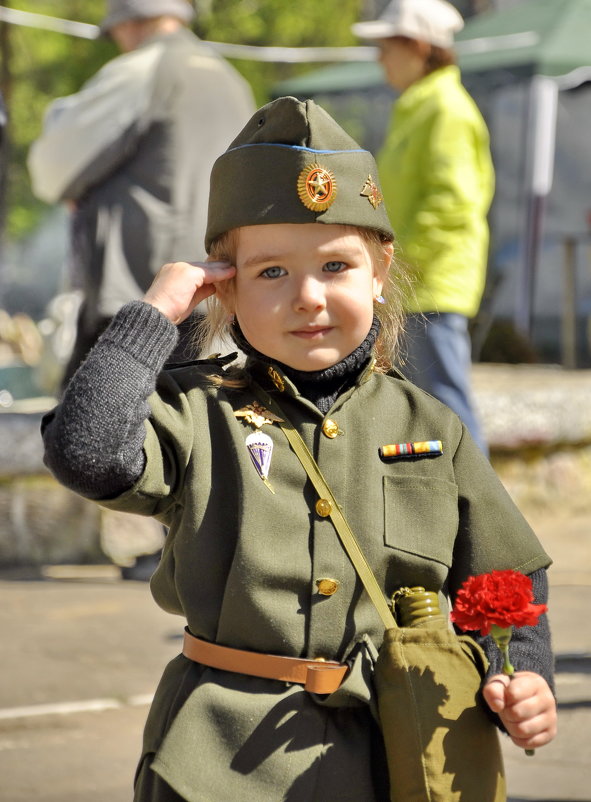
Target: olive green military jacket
{"type": "Point", "coordinates": [242, 565]}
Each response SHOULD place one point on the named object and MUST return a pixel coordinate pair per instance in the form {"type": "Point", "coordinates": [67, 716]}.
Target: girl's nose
{"type": "Point", "coordinates": [309, 294]}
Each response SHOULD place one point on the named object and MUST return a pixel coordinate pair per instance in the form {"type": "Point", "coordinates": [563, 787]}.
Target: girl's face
{"type": "Point", "coordinates": [303, 294]}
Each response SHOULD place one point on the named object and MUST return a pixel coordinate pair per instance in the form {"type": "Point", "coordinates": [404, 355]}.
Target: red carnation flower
{"type": "Point", "coordinates": [501, 599]}
{"type": "Point", "coordinates": [495, 603]}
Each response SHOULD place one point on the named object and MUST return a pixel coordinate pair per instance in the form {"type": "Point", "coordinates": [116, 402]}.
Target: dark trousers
{"type": "Point", "coordinates": [438, 360]}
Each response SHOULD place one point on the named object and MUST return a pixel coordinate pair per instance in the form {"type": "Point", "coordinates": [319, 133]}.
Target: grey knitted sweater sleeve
{"type": "Point", "coordinates": [94, 438]}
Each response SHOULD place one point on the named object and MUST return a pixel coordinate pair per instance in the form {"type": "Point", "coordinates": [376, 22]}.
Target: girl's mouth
{"type": "Point", "coordinates": [312, 333]}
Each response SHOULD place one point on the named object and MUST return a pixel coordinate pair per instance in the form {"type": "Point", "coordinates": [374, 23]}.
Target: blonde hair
{"type": "Point", "coordinates": [216, 325]}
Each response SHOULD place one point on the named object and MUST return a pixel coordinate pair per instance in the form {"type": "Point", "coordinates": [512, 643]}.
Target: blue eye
{"type": "Point", "coordinates": [334, 267]}
{"type": "Point", "coordinates": [273, 272]}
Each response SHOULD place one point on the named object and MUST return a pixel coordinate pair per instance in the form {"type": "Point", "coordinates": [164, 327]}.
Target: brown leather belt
{"type": "Point", "coordinates": [317, 676]}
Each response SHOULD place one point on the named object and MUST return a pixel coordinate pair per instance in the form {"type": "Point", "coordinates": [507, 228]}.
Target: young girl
{"type": "Point", "coordinates": [301, 250]}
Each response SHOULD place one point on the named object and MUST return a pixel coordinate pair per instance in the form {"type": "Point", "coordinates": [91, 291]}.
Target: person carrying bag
{"type": "Point", "coordinates": [273, 697]}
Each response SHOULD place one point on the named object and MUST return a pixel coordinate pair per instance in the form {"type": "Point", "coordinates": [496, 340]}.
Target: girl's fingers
{"type": "Point", "coordinates": [201, 294]}
{"type": "Point", "coordinates": [180, 286]}
{"type": "Point", "coordinates": [215, 271]}
{"type": "Point", "coordinates": [533, 732]}
{"type": "Point", "coordinates": [494, 692]}
{"type": "Point", "coordinates": [525, 705]}
{"type": "Point", "coordinates": [541, 738]}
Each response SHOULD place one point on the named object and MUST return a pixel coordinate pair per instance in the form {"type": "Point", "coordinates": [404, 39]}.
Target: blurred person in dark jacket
{"type": "Point", "coordinates": [131, 154]}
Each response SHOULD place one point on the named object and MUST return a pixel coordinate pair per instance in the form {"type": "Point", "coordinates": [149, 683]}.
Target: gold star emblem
{"type": "Point", "coordinates": [371, 191]}
{"type": "Point", "coordinates": [317, 187]}
{"type": "Point", "coordinates": [257, 415]}
{"type": "Point", "coordinates": [320, 183]}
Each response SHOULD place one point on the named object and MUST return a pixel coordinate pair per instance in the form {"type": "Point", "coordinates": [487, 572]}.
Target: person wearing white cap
{"type": "Point", "coordinates": [131, 154]}
{"type": "Point", "coordinates": [437, 177]}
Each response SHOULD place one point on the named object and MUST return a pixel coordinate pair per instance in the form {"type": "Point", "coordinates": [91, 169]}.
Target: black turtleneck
{"type": "Point", "coordinates": [321, 387]}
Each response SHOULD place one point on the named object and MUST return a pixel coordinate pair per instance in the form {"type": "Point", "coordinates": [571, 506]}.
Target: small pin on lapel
{"type": "Point", "coordinates": [260, 448]}
{"type": "Point", "coordinates": [257, 415]}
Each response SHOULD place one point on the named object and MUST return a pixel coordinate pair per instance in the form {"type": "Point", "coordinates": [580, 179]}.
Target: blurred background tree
{"type": "Point", "coordinates": [305, 23]}
{"type": "Point", "coordinates": [37, 66]}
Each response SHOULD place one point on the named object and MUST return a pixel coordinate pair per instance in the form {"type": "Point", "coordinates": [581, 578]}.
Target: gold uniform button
{"type": "Point", "coordinates": [323, 507]}
{"type": "Point", "coordinates": [276, 378]}
{"type": "Point", "coordinates": [326, 587]}
{"type": "Point", "coordinates": [330, 428]}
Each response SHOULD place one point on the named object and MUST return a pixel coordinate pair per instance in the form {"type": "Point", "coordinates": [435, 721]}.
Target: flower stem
{"type": "Point", "coordinates": [502, 636]}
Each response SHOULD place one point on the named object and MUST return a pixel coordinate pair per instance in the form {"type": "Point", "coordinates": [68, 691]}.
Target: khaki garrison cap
{"type": "Point", "coordinates": [292, 163]}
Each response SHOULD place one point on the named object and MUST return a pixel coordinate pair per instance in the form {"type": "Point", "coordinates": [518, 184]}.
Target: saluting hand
{"type": "Point", "coordinates": [179, 286]}
{"type": "Point", "coordinates": [525, 705]}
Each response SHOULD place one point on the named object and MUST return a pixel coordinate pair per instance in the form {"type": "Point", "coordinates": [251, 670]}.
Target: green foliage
{"type": "Point", "coordinates": [277, 23]}
{"type": "Point", "coordinates": [304, 23]}
{"type": "Point", "coordinates": [40, 65]}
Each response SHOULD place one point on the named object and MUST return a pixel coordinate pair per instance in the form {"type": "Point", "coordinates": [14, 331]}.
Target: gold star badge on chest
{"type": "Point", "coordinates": [257, 415]}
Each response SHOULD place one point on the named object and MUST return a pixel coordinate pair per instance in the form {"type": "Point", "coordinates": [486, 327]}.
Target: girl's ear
{"type": "Point", "coordinates": [381, 266]}
{"type": "Point", "coordinates": [225, 292]}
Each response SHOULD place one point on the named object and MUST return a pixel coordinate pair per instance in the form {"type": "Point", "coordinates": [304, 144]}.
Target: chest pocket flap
{"type": "Point", "coordinates": [421, 516]}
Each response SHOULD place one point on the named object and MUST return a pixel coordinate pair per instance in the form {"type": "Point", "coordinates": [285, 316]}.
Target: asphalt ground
{"type": "Point", "coordinates": [82, 652]}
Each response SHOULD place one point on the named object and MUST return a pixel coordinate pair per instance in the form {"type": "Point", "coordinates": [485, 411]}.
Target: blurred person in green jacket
{"type": "Point", "coordinates": [438, 182]}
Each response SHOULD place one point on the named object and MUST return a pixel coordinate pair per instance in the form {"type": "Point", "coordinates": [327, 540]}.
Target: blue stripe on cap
{"type": "Point", "coordinates": [293, 147]}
